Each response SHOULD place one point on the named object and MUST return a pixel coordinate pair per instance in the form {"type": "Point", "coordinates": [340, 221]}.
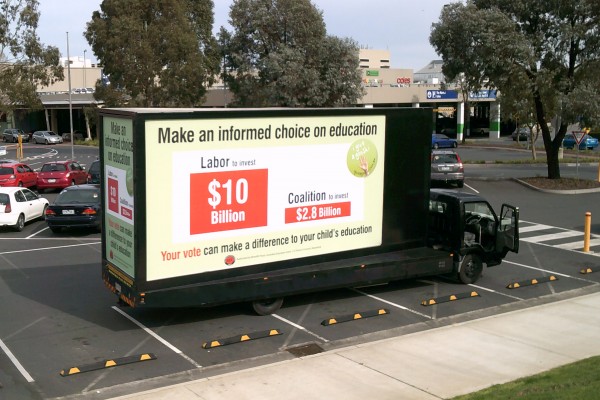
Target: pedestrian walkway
{"type": "Point", "coordinates": [560, 238]}
{"type": "Point", "coordinates": [434, 364]}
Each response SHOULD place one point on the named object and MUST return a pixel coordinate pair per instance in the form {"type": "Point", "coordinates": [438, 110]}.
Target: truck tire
{"type": "Point", "coordinates": [267, 306]}
{"type": "Point", "coordinates": [470, 269]}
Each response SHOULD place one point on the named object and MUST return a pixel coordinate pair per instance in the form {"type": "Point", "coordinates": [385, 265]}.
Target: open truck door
{"type": "Point", "coordinates": [507, 237]}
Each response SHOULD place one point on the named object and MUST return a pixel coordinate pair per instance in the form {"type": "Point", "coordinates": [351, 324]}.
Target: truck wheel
{"type": "Point", "coordinates": [470, 269]}
{"type": "Point", "coordinates": [268, 306]}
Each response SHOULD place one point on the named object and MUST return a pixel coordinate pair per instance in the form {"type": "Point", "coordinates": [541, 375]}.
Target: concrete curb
{"type": "Point", "coordinates": [574, 191]}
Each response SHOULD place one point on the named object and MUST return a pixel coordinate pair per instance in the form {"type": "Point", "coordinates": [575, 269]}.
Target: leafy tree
{"type": "Point", "coordinates": [157, 53]}
{"type": "Point", "coordinates": [25, 63]}
{"type": "Point", "coordinates": [552, 48]}
{"type": "Point", "coordinates": [280, 55]}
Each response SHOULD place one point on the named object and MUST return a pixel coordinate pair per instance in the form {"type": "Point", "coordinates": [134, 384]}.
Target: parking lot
{"type": "Point", "coordinates": [58, 317]}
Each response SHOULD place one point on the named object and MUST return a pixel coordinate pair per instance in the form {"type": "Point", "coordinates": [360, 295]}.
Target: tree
{"type": "Point", "coordinates": [25, 63]}
{"type": "Point", "coordinates": [552, 48]}
{"type": "Point", "coordinates": [156, 53]}
{"type": "Point", "coordinates": [280, 55]}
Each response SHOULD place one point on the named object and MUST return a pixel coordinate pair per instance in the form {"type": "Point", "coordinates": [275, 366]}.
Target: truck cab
{"type": "Point", "coordinates": [467, 225]}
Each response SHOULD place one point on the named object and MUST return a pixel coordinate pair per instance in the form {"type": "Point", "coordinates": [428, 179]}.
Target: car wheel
{"type": "Point", "coordinates": [20, 184]}
{"type": "Point", "coordinates": [47, 142]}
{"type": "Point", "coordinates": [454, 144]}
{"type": "Point", "coordinates": [43, 216]}
{"type": "Point", "coordinates": [20, 223]}
{"type": "Point", "coordinates": [436, 146]}
{"type": "Point", "coordinates": [460, 184]}
{"type": "Point", "coordinates": [73, 183]}
{"type": "Point", "coordinates": [470, 269]}
{"type": "Point", "coordinates": [268, 306]}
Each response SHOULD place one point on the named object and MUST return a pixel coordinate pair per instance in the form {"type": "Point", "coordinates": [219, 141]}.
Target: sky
{"type": "Point", "coordinates": [399, 26]}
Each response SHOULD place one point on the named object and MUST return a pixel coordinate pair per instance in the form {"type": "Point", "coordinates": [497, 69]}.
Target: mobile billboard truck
{"type": "Point", "coordinates": [206, 207]}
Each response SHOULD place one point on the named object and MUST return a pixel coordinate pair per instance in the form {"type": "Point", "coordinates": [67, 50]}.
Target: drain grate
{"type": "Point", "coordinates": [305, 350]}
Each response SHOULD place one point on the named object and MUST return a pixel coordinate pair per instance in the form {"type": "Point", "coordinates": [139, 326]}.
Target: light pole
{"type": "Point", "coordinates": [84, 81]}
{"type": "Point", "coordinates": [70, 99]}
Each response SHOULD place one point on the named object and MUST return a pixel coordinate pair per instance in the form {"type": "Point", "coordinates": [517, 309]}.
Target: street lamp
{"type": "Point", "coordinates": [84, 81]}
{"type": "Point", "coordinates": [70, 97]}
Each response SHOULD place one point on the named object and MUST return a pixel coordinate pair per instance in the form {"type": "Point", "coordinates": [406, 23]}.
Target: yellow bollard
{"type": "Point", "coordinates": [586, 231]}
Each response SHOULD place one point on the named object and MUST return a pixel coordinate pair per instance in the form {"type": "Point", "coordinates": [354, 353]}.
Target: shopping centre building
{"type": "Point", "coordinates": [384, 87]}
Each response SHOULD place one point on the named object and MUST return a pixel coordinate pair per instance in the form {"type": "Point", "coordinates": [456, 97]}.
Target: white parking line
{"type": "Point", "coordinates": [16, 362]}
{"type": "Point", "coordinates": [299, 327]}
{"type": "Point", "coordinates": [392, 304]}
{"type": "Point", "coordinates": [495, 291]}
{"type": "Point", "coordinates": [48, 248]}
{"type": "Point", "coordinates": [35, 233]}
{"type": "Point", "coordinates": [155, 336]}
{"type": "Point", "coordinates": [551, 272]}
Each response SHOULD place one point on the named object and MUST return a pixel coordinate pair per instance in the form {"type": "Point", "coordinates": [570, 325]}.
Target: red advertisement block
{"type": "Point", "coordinates": [113, 195]}
{"type": "Point", "coordinates": [316, 212]}
{"type": "Point", "coordinates": [228, 200]}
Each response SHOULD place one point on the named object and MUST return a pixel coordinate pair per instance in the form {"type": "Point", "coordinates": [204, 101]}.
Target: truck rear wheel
{"type": "Point", "coordinates": [470, 269]}
{"type": "Point", "coordinates": [267, 306]}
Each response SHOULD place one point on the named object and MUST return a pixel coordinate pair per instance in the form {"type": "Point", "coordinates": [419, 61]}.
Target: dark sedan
{"type": "Point", "coordinates": [75, 207]}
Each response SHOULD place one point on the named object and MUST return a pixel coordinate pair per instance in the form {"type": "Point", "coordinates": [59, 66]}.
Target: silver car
{"type": "Point", "coordinates": [46, 137]}
{"type": "Point", "coordinates": [447, 167]}
{"type": "Point", "coordinates": [12, 135]}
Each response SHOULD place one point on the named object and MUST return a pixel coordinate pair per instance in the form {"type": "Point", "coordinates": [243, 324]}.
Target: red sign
{"type": "Point", "coordinates": [113, 195]}
{"type": "Point", "coordinates": [316, 212]}
{"type": "Point", "coordinates": [229, 200]}
{"type": "Point", "coordinates": [403, 81]}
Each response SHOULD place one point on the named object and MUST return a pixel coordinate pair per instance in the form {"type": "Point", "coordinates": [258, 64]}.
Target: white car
{"type": "Point", "coordinates": [46, 137]}
{"type": "Point", "coordinates": [19, 205]}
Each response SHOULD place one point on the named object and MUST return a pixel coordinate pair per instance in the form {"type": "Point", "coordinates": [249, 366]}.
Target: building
{"type": "Point", "coordinates": [384, 86]}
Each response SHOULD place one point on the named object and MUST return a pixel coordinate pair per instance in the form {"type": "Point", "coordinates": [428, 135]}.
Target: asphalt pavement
{"type": "Point", "coordinates": [438, 363]}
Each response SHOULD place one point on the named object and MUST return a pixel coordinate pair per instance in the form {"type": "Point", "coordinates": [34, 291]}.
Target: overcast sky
{"type": "Point", "coordinates": [400, 26]}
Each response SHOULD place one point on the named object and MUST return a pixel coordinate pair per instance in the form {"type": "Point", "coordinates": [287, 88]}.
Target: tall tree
{"type": "Point", "coordinates": [156, 53]}
{"type": "Point", "coordinates": [552, 48]}
{"type": "Point", "coordinates": [280, 55]}
{"type": "Point", "coordinates": [25, 62]}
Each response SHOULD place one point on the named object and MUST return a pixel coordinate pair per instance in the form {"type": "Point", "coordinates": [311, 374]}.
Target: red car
{"type": "Point", "coordinates": [17, 174]}
{"type": "Point", "coordinates": [60, 174]}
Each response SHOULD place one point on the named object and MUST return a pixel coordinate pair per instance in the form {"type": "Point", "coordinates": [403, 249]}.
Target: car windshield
{"type": "Point", "coordinates": [6, 171]}
{"type": "Point", "coordinates": [53, 167]}
{"type": "Point", "coordinates": [78, 196]}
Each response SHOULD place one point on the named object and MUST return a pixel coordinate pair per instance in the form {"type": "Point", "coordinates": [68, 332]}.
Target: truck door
{"type": "Point", "coordinates": [507, 238]}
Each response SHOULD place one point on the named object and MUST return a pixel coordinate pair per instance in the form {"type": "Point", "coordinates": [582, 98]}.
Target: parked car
{"type": "Point", "coordinates": [14, 173]}
{"type": "Point", "coordinates": [587, 142]}
{"type": "Point", "coordinates": [46, 137]}
{"type": "Point", "coordinates": [438, 140]}
{"type": "Point", "coordinates": [94, 172]}
{"type": "Point", "coordinates": [60, 174]}
{"type": "Point", "coordinates": [20, 205]}
{"type": "Point", "coordinates": [521, 134]}
{"type": "Point", "coordinates": [450, 132]}
{"type": "Point", "coordinates": [480, 131]}
{"type": "Point", "coordinates": [77, 135]}
{"type": "Point", "coordinates": [12, 135]}
{"type": "Point", "coordinates": [75, 207]}
{"type": "Point", "coordinates": [447, 167]}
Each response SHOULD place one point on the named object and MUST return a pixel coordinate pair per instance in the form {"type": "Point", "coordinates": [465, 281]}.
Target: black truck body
{"type": "Point", "coordinates": [206, 207]}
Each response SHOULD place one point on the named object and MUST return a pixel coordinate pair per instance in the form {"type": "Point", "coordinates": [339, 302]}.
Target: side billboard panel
{"type": "Point", "coordinates": [234, 192]}
{"type": "Point", "coordinates": [119, 193]}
